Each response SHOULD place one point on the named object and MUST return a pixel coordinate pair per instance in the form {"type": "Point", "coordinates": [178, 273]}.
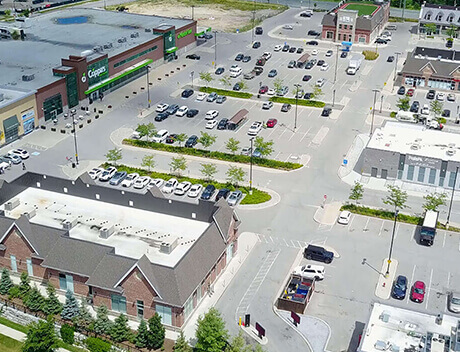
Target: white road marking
{"type": "Point", "coordinates": [409, 284]}
{"type": "Point", "coordinates": [444, 239]}
{"type": "Point", "coordinates": [351, 221]}
{"type": "Point", "coordinates": [305, 134]}
{"type": "Point", "coordinates": [293, 134]}
{"type": "Point", "coordinates": [284, 130]}
{"type": "Point", "coordinates": [396, 230]}
{"type": "Point", "coordinates": [429, 289]}
{"type": "Point", "coordinates": [448, 279]}
{"type": "Point", "coordinates": [367, 223]}
{"type": "Point", "coordinates": [381, 228]}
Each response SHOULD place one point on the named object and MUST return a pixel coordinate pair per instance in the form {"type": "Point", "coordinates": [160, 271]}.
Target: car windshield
{"type": "Point", "coordinates": [419, 291]}
{"type": "Point", "coordinates": [455, 300]}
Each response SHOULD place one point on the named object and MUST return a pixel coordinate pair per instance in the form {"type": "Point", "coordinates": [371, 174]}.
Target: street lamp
{"type": "Point", "coordinates": [193, 12]}
{"type": "Point", "coordinates": [148, 87]}
{"type": "Point", "coordinates": [373, 110]}
{"type": "Point", "coordinates": [333, 97]}
{"type": "Point", "coordinates": [253, 21]}
{"type": "Point", "coordinates": [392, 241]}
{"type": "Point", "coordinates": [381, 102]}
{"type": "Point", "coordinates": [452, 198]}
{"type": "Point", "coordinates": [191, 74]}
{"type": "Point", "coordinates": [336, 62]}
{"type": "Point", "coordinates": [250, 167]}
{"type": "Point", "coordinates": [215, 49]}
{"type": "Point", "coordinates": [296, 100]}
{"type": "Point", "coordinates": [396, 68]}
{"type": "Point", "coordinates": [73, 112]}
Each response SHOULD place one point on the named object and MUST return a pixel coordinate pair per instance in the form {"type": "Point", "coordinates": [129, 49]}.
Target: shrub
{"type": "Point", "coordinates": [95, 344]}
{"type": "Point", "coordinates": [228, 93]}
{"type": "Point", "coordinates": [14, 292]}
{"type": "Point", "coordinates": [442, 120]}
{"type": "Point", "coordinates": [302, 102]}
{"type": "Point", "coordinates": [256, 197]}
{"type": "Point", "coordinates": [370, 55]}
{"type": "Point", "coordinates": [67, 334]}
{"type": "Point", "coordinates": [393, 114]}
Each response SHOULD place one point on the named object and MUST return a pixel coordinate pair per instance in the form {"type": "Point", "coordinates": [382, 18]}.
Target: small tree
{"type": "Point", "coordinates": [278, 84]}
{"type": "Point", "coordinates": [181, 138]}
{"type": "Point", "coordinates": [208, 171]}
{"type": "Point", "coordinates": [207, 77]}
{"type": "Point", "coordinates": [24, 286]}
{"type": "Point", "coordinates": [226, 81]}
{"type": "Point", "coordinates": [148, 161]}
{"type": "Point", "coordinates": [434, 200]}
{"type": "Point", "coordinates": [52, 306]}
{"type": "Point", "coordinates": [431, 28]}
{"type": "Point", "coordinates": [211, 334]}
{"type": "Point", "coordinates": [317, 92]}
{"type": "Point", "coordinates": [15, 35]}
{"type": "Point", "coordinates": [114, 155]}
{"type": "Point", "coordinates": [157, 332]}
{"type": "Point", "coordinates": [238, 344]}
{"type": "Point", "coordinates": [178, 164]}
{"type": "Point", "coordinates": [120, 331]}
{"type": "Point", "coordinates": [403, 103]}
{"type": "Point", "coordinates": [142, 337]}
{"type": "Point", "coordinates": [206, 139]}
{"type": "Point", "coordinates": [151, 130]}
{"type": "Point", "coordinates": [265, 147]}
{"type": "Point", "coordinates": [396, 197]}
{"type": "Point", "coordinates": [35, 300]}
{"type": "Point", "coordinates": [41, 337]}
{"type": "Point", "coordinates": [68, 334]}
{"type": "Point", "coordinates": [102, 325]}
{"type": "Point", "coordinates": [357, 192]}
{"type": "Point", "coordinates": [451, 31]}
{"type": "Point", "coordinates": [436, 107]}
{"type": "Point", "coordinates": [70, 309]}
{"type": "Point", "coordinates": [5, 282]}
{"type": "Point", "coordinates": [235, 175]}
{"type": "Point", "coordinates": [143, 130]}
{"type": "Point", "coordinates": [232, 145]}
{"type": "Point", "coordinates": [84, 319]}
{"type": "Point", "coordinates": [181, 344]}
{"type": "Point", "coordinates": [243, 85]}
{"type": "Point", "coordinates": [8, 13]}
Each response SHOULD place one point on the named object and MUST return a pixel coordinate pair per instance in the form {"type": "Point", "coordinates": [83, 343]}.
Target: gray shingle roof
{"type": "Point", "coordinates": [441, 69]}
{"type": "Point", "coordinates": [110, 270]}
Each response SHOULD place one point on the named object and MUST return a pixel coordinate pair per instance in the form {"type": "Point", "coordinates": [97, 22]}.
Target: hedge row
{"type": "Point", "coordinates": [238, 158]}
{"type": "Point", "coordinates": [303, 102]}
{"type": "Point", "coordinates": [256, 197]}
{"type": "Point", "coordinates": [228, 93]}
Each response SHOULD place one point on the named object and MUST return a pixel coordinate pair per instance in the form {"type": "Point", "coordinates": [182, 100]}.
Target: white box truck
{"type": "Point", "coordinates": [428, 230]}
{"type": "Point", "coordinates": [354, 64]}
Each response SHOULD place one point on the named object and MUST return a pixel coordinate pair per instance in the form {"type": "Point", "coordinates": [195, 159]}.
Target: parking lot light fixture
{"type": "Point", "coordinates": [73, 113]}
{"type": "Point", "coordinates": [333, 98]}
{"type": "Point", "coordinates": [452, 198]}
{"type": "Point", "coordinates": [148, 87]}
{"type": "Point", "coordinates": [373, 111]}
{"type": "Point", "coordinates": [391, 243]}
{"type": "Point", "coordinates": [297, 86]}
{"type": "Point", "coordinates": [336, 62]}
{"type": "Point", "coordinates": [215, 49]}
{"type": "Point", "coordinates": [250, 165]}
{"type": "Point", "coordinates": [396, 68]}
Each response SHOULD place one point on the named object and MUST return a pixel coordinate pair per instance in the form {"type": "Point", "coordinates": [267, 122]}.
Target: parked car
{"type": "Point", "coordinates": [320, 62]}
{"type": "Point", "coordinates": [285, 48]}
{"type": "Point", "coordinates": [278, 47]}
{"type": "Point", "coordinates": [170, 186]}
{"type": "Point", "coordinates": [306, 78]}
{"type": "Point", "coordinates": [320, 82]}
{"type": "Point", "coordinates": [22, 153]}
{"type": "Point", "coordinates": [256, 153]}
{"type": "Point", "coordinates": [272, 73]}
{"type": "Point", "coordinates": [288, 26]}
{"type": "Point", "coordinates": [399, 287]}
{"type": "Point", "coordinates": [440, 96]}
{"type": "Point", "coordinates": [107, 174]}
{"type": "Point", "coordinates": [211, 124]}
{"type": "Point", "coordinates": [312, 42]}
{"type": "Point", "coordinates": [248, 76]}
{"type": "Point", "coordinates": [219, 70]}
{"type": "Point", "coordinates": [258, 70]}
{"type": "Point", "coordinates": [271, 123]}
{"type": "Point", "coordinates": [380, 41]}
{"type": "Point", "coordinates": [291, 64]}
{"type": "Point", "coordinates": [192, 112]}
{"type": "Point", "coordinates": [402, 90]}
{"type": "Point", "coordinates": [451, 97]}
{"type": "Point", "coordinates": [118, 178]}
{"type": "Point", "coordinates": [130, 179]}
{"type": "Point", "coordinates": [208, 192]}
{"type": "Point", "coordinates": [239, 57]}
{"type": "Point", "coordinates": [344, 54]}
{"type": "Point", "coordinates": [292, 49]}
{"type": "Point", "coordinates": [431, 94]}
{"type": "Point", "coordinates": [234, 198]}
{"type": "Point", "coordinates": [223, 193]}
{"type": "Point", "coordinates": [286, 107]}
{"type": "Point", "coordinates": [201, 96]}
{"type": "Point", "coordinates": [221, 99]}
{"type": "Point", "coordinates": [191, 141]}
{"type": "Point", "coordinates": [222, 125]}
{"type": "Point", "coordinates": [195, 191]}
{"type": "Point", "coordinates": [299, 50]}
{"type": "Point", "coordinates": [13, 158]}
{"type": "Point", "coordinates": [160, 136]}
{"type": "Point", "coordinates": [172, 109]}
{"type": "Point", "coordinates": [282, 91]}
{"type": "Point", "coordinates": [246, 58]}
{"type": "Point", "coordinates": [161, 116]}
{"type": "Point", "coordinates": [93, 173]}
{"type": "Point", "coordinates": [267, 105]}
{"type": "Point", "coordinates": [182, 188]}
{"type": "Point", "coordinates": [193, 57]}
{"type": "Point", "coordinates": [445, 113]}
{"type": "Point", "coordinates": [410, 92]}
{"type": "Point", "coordinates": [308, 95]}
{"type": "Point", "coordinates": [425, 110]}
{"type": "Point", "coordinates": [259, 31]}
{"type": "Point", "coordinates": [141, 182]}
{"type": "Point", "coordinates": [325, 66]}
{"type": "Point", "coordinates": [162, 107]}
{"type": "Point", "coordinates": [453, 302]}
{"type": "Point", "coordinates": [211, 97]}
{"type": "Point", "coordinates": [415, 106]}
{"type": "Point", "coordinates": [313, 32]}
{"type": "Point", "coordinates": [271, 91]}
{"type": "Point", "coordinates": [187, 93]}
{"type": "Point", "coordinates": [329, 53]}
{"type": "Point", "coordinates": [318, 253]}
{"type": "Point", "coordinates": [171, 138]}
{"type": "Point", "coordinates": [255, 128]}
{"type": "Point", "coordinates": [417, 293]}
{"type": "Point", "coordinates": [237, 87]}
{"type": "Point", "coordinates": [158, 182]}
{"type": "Point", "coordinates": [211, 114]}
{"type": "Point", "coordinates": [344, 217]}
{"type": "Point", "coordinates": [267, 55]}
{"type": "Point", "coordinates": [310, 271]}
{"type": "Point", "coordinates": [391, 58]}
{"type": "Point", "coordinates": [326, 111]}
{"type": "Point", "coordinates": [182, 111]}
{"type": "Point", "coordinates": [256, 45]}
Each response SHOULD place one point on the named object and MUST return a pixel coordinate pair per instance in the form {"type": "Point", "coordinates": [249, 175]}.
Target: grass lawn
{"type": "Point", "coordinates": [362, 9]}
{"type": "Point", "coordinates": [7, 344]}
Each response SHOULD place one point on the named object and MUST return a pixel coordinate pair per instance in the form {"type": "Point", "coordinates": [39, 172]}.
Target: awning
{"type": "Point", "coordinates": [119, 75]}
{"type": "Point", "coordinates": [171, 50]}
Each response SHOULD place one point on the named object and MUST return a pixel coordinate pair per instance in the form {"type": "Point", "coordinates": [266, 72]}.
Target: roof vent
{"type": "Point", "coordinates": [108, 46]}
{"type": "Point", "coordinates": [27, 78]}
{"type": "Point", "coordinates": [168, 247]}
{"type": "Point", "coordinates": [13, 203]}
{"type": "Point", "coordinates": [69, 224]}
{"type": "Point", "coordinates": [98, 49]}
{"type": "Point", "coordinates": [415, 146]}
{"type": "Point", "coordinates": [135, 35]}
{"type": "Point", "coordinates": [30, 213]}
{"type": "Point", "coordinates": [439, 57]}
{"type": "Point", "coordinates": [122, 40]}
{"type": "Point", "coordinates": [106, 232]}
{"type": "Point", "coordinates": [450, 151]}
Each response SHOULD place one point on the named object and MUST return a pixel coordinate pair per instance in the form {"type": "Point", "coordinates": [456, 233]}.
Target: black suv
{"type": "Point", "coordinates": [187, 93]}
{"type": "Point", "coordinates": [256, 45]}
{"type": "Point", "coordinates": [191, 141]}
{"type": "Point", "coordinates": [312, 32]}
{"type": "Point", "coordinates": [431, 94]}
{"type": "Point", "coordinates": [222, 124]}
{"type": "Point", "coordinates": [208, 192]}
{"type": "Point", "coordinates": [172, 109]}
{"type": "Point", "coordinates": [192, 112]}
{"type": "Point", "coordinates": [318, 253]}
{"type": "Point", "coordinates": [223, 193]}
{"type": "Point", "coordinates": [415, 106]}
{"type": "Point", "coordinates": [161, 116]}
{"type": "Point", "coordinates": [259, 30]}
{"type": "Point", "coordinates": [285, 47]}
{"type": "Point", "coordinates": [239, 57]}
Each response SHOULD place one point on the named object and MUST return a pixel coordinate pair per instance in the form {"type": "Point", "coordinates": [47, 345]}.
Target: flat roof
{"type": "Point", "coordinates": [11, 95]}
{"type": "Point", "coordinates": [405, 330]}
{"type": "Point", "coordinates": [48, 40]}
{"type": "Point", "coordinates": [136, 232]}
{"type": "Point", "coordinates": [415, 139]}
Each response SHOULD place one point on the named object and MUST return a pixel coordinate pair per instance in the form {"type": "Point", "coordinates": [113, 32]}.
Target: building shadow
{"type": "Point", "coordinates": [356, 336]}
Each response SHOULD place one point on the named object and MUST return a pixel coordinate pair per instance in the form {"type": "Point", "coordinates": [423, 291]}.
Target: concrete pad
{"type": "Point", "coordinates": [251, 331]}
{"type": "Point", "coordinates": [384, 285]}
{"type": "Point", "coordinates": [327, 215]}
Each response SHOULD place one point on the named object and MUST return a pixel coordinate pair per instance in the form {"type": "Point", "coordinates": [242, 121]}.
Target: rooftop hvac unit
{"type": "Point", "coordinates": [97, 49]}
{"type": "Point", "coordinates": [106, 232]}
{"type": "Point", "coordinates": [415, 146]}
{"type": "Point", "coordinates": [2, 97]}
{"type": "Point", "coordinates": [30, 213]}
{"type": "Point", "coordinates": [108, 46]}
{"type": "Point", "coordinates": [122, 40]}
{"type": "Point", "coordinates": [168, 247]}
{"type": "Point", "coordinates": [148, 30]}
{"type": "Point", "coordinates": [135, 35]}
{"type": "Point", "coordinates": [13, 203]}
{"type": "Point", "coordinates": [69, 224]}
{"type": "Point", "coordinates": [27, 78]}
{"type": "Point", "coordinates": [450, 151]}
{"type": "Point", "coordinates": [86, 53]}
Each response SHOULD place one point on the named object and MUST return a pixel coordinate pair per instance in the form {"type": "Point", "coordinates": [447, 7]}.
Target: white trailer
{"type": "Point", "coordinates": [354, 64]}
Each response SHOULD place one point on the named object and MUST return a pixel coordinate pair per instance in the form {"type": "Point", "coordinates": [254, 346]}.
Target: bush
{"type": "Point", "coordinates": [256, 197]}
{"type": "Point", "coordinates": [302, 102]}
{"type": "Point", "coordinates": [95, 344]}
{"type": "Point", "coordinates": [442, 120]}
{"type": "Point", "coordinates": [228, 93]}
{"type": "Point", "coordinates": [393, 114]}
{"type": "Point", "coordinates": [244, 159]}
{"type": "Point", "coordinates": [370, 55]}
{"type": "Point", "coordinates": [67, 334]}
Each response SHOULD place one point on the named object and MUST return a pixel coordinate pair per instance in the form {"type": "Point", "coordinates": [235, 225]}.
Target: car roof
{"type": "Point", "coordinates": [314, 267]}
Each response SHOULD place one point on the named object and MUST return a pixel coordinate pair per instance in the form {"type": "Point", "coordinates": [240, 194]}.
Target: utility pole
{"type": "Point", "coordinates": [253, 20]}
{"type": "Point", "coordinates": [336, 63]}
{"type": "Point", "coordinates": [333, 97]}
{"type": "Point", "coordinates": [452, 198]}
{"type": "Point", "coordinates": [215, 49]}
{"type": "Point", "coordinates": [381, 102]}
{"type": "Point", "coordinates": [191, 74]}
{"type": "Point", "coordinates": [73, 112]}
{"type": "Point", "coordinates": [404, 7]}
{"type": "Point", "coordinates": [250, 167]}
{"type": "Point", "coordinates": [373, 111]}
{"type": "Point", "coordinates": [148, 87]}
{"type": "Point", "coordinates": [391, 244]}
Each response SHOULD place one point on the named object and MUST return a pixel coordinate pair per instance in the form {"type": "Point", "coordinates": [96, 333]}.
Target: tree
{"type": "Point", "coordinates": [35, 300]}
{"type": "Point", "coordinates": [265, 148]}
{"type": "Point", "coordinates": [235, 175]}
{"type": "Point", "coordinates": [206, 139]}
{"type": "Point", "coordinates": [5, 282]}
{"type": "Point", "coordinates": [26, 13]}
{"type": "Point", "coordinates": [41, 337]}
{"type": "Point", "coordinates": [226, 81]}
{"type": "Point", "coordinates": [181, 344]}
{"type": "Point", "coordinates": [317, 92]}
{"type": "Point", "coordinates": [102, 325]}
{"type": "Point", "coordinates": [238, 344]}
{"type": "Point", "coordinates": [434, 200]}
{"type": "Point", "coordinates": [84, 319]}
{"type": "Point", "coordinates": [24, 286]}
{"type": "Point", "coordinates": [431, 28]}
{"type": "Point", "coordinates": [357, 191]}
{"type": "Point", "coordinates": [243, 85]}
{"type": "Point", "coordinates": [451, 31]}
{"type": "Point", "coordinates": [148, 161]}
{"type": "Point", "coordinates": [70, 309]}
{"type": "Point", "coordinates": [151, 130]}
{"type": "Point", "coordinates": [120, 331]}
{"type": "Point", "coordinates": [15, 35]}
{"type": "Point", "coordinates": [232, 145]}
{"type": "Point", "coordinates": [436, 107]}
{"type": "Point", "coordinates": [207, 77]}
{"type": "Point", "coordinates": [8, 13]}
{"type": "Point", "coordinates": [211, 334]}
{"type": "Point", "coordinates": [397, 198]}
{"type": "Point", "coordinates": [157, 332]}
{"type": "Point", "coordinates": [114, 155]}
{"type": "Point", "coordinates": [208, 171]}
{"type": "Point", "coordinates": [142, 337]}
{"type": "Point", "coordinates": [278, 84]}
{"type": "Point", "coordinates": [181, 138]}
{"type": "Point", "coordinates": [178, 164]}
{"type": "Point", "coordinates": [403, 103]}
{"type": "Point", "coordinates": [142, 129]}
{"type": "Point", "coordinates": [52, 306]}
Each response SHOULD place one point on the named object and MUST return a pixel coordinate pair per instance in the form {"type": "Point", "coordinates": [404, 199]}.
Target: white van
{"type": "Point", "coordinates": [235, 71]}
{"type": "Point", "coordinates": [406, 116]}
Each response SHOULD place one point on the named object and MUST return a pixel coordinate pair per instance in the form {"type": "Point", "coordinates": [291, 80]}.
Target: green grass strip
{"type": "Point", "coordinates": [228, 93]}
{"type": "Point", "coordinates": [302, 102]}
{"type": "Point", "coordinates": [13, 325]}
{"type": "Point", "coordinates": [7, 344]}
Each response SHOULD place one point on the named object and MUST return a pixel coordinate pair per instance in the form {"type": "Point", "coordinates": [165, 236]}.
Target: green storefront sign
{"type": "Point", "coordinates": [184, 33]}
{"type": "Point", "coordinates": [96, 72]}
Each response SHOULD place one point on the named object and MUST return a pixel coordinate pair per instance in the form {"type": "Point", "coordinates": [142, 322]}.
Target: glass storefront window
{"type": "Point", "coordinates": [52, 107]}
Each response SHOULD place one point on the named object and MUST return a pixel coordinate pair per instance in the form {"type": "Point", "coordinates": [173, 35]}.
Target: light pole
{"type": "Point", "coordinates": [253, 21]}
{"type": "Point", "coordinates": [336, 63]}
{"type": "Point", "coordinates": [72, 114]}
{"type": "Point", "coordinates": [191, 74]}
{"type": "Point", "coordinates": [373, 110]}
{"type": "Point", "coordinates": [396, 68]}
{"type": "Point", "coordinates": [456, 117]}
{"type": "Point", "coordinates": [250, 167]}
{"type": "Point", "coordinates": [148, 87]}
{"type": "Point", "coordinates": [381, 102]}
{"type": "Point", "coordinates": [297, 86]}
{"type": "Point", "coordinates": [333, 97]}
{"type": "Point", "coordinates": [452, 198]}
{"type": "Point", "coordinates": [215, 49]}
{"type": "Point", "coordinates": [392, 241]}
{"type": "Point", "coordinates": [193, 12]}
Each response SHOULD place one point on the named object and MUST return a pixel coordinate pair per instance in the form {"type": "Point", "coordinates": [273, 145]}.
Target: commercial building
{"type": "Point", "coordinates": [412, 153]}
{"type": "Point", "coordinates": [135, 253]}
{"type": "Point", "coordinates": [396, 329]}
{"type": "Point", "coordinates": [80, 54]}
{"type": "Point", "coordinates": [355, 23]}
{"type": "Point", "coordinates": [431, 67]}
{"type": "Point", "coordinates": [18, 113]}
{"type": "Point", "coordinates": [443, 16]}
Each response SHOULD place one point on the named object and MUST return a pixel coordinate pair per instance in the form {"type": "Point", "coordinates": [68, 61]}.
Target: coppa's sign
{"type": "Point", "coordinates": [94, 73]}
{"type": "Point", "coordinates": [184, 33]}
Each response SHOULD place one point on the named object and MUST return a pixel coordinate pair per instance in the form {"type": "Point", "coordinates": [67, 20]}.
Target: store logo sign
{"type": "Point", "coordinates": [184, 33]}
{"type": "Point", "coordinates": [94, 73]}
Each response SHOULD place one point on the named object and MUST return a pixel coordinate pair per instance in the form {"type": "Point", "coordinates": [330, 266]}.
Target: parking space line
{"type": "Point", "coordinates": [351, 222]}
{"type": "Point", "coordinates": [429, 289]}
{"type": "Point", "coordinates": [305, 134]}
{"type": "Point", "coordinates": [293, 134]}
{"type": "Point", "coordinates": [381, 228]}
{"type": "Point", "coordinates": [396, 230]}
{"type": "Point", "coordinates": [448, 279]}
{"type": "Point", "coordinates": [293, 245]}
{"type": "Point", "coordinates": [365, 227]}
{"type": "Point", "coordinates": [284, 130]}
{"type": "Point", "coordinates": [410, 282]}
{"type": "Point", "coordinates": [285, 242]}
{"type": "Point", "coordinates": [444, 239]}
{"type": "Point", "coordinates": [277, 155]}
{"type": "Point", "coordinates": [299, 244]}
{"type": "Point", "coordinates": [288, 157]}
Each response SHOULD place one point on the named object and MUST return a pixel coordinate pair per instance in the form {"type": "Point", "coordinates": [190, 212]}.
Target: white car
{"type": "Point", "coordinates": [162, 107]}
{"type": "Point", "coordinates": [22, 153]}
{"type": "Point", "coordinates": [451, 97]}
{"type": "Point", "coordinates": [329, 53]}
{"type": "Point", "coordinates": [267, 55]}
{"type": "Point", "coordinates": [271, 91]}
{"type": "Point", "coordinates": [182, 188]}
{"type": "Point", "coordinates": [107, 174]}
{"type": "Point", "coordinates": [344, 217]}
{"type": "Point", "coordinates": [141, 182]}
{"type": "Point", "coordinates": [287, 26]}
{"type": "Point", "coordinates": [314, 52]}
{"type": "Point", "coordinates": [278, 47]}
{"type": "Point", "coordinates": [320, 82]}
{"type": "Point", "coordinates": [211, 124]}
{"type": "Point", "coordinates": [95, 172]}
{"type": "Point", "coordinates": [211, 114]}
{"type": "Point", "coordinates": [129, 180]}
{"type": "Point", "coordinates": [170, 186]}
{"type": "Point", "coordinates": [325, 66]}
{"type": "Point", "coordinates": [267, 105]}
{"type": "Point", "coordinates": [160, 136]}
{"type": "Point", "coordinates": [425, 110]}
{"type": "Point", "coordinates": [255, 128]}
{"type": "Point", "coordinates": [440, 96]}
{"type": "Point", "coordinates": [156, 182]}
{"type": "Point", "coordinates": [195, 191]}
{"type": "Point", "coordinates": [310, 272]}
{"type": "Point", "coordinates": [201, 96]}
{"type": "Point", "coordinates": [182, 111]}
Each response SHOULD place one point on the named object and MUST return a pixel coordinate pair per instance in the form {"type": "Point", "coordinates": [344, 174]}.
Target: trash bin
{"type": "Point", "coordinates": [74, 165]}
{"type": "Point", "coordinates": [258, 96]}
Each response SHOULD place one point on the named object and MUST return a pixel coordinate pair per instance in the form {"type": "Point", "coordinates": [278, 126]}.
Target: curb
{"type": "Point", "coordinates": [275, 199]}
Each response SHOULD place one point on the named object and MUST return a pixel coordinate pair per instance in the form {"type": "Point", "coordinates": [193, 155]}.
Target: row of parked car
{"type": "Point", "coordinates": [172, 186]}
{"type": "Point", "coordinates": [14, 156]}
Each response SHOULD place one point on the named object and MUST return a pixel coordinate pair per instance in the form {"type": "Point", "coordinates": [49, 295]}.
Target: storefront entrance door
{"type": "Point", "coordinates": [11, 128]}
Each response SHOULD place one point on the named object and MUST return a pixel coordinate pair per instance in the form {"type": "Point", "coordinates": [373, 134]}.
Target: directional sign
{"type": "Point", "coordinates": [345, 161]}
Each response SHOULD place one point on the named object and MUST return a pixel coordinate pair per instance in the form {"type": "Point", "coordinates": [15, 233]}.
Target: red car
{"type": "Point", "coordinates": [417, 294]}
{"type": "Point", "coordinates": [263, 89]}
{"type": "Point", "coordinates": [410, 92]}
{"type": "Point", "coordinates": [271, 123]}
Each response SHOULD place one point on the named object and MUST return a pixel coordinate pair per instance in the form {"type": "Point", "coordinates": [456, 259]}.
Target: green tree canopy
{"type": "Point", "coordinates": [70, 309]}
{"type": "Point", "coordinates": [35, 300]}
{"type": "Point", "coordinates": [206, 139]}
{"type": "Point", "coordinates": [396, 197]}
{"type": "Point", "coordinates": [148, 161]}
{"type": "Point", "coordinates": [142, 337]}
{"type": "Point", "coordinates": [41, 337]}
{"type": "Point", "coordinates": [403, 103]}
{"type": "Point", "coordinates": [211, 333]}
{"type": "Point", "coordinates": [207, 77]}
{"type": "Point", "coordinates": [235, 175]}
{"type": "Point", "coordinates": [208, 171]}
{"type": "Point", "coordinates": [102, 325]}
{"type": "Point", "coordinates": [24, 285]}
{"type": "Point", "coordinates": [178, 164]}
{"type": "Point", "coordinates": [52, 306]}
{"type": "Point", "coordinates": [232, 145]}
{"type": "Point", "coordinates": [265, 147]}
{"type": "Point", "coordinates": [357, 192]}
{"type": "Point", "coordinates": [114, 155]}
{"type": "Point", "coordinates": [120, 331]}
{"type": "Point", "coordinates": [157, 332]}
{"type": "Point", "coordinates": [434, 200]}
{"type": "Point", "coordinates": [5, 282]}
{"type": "Point", "coordinates": [181, 344]}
